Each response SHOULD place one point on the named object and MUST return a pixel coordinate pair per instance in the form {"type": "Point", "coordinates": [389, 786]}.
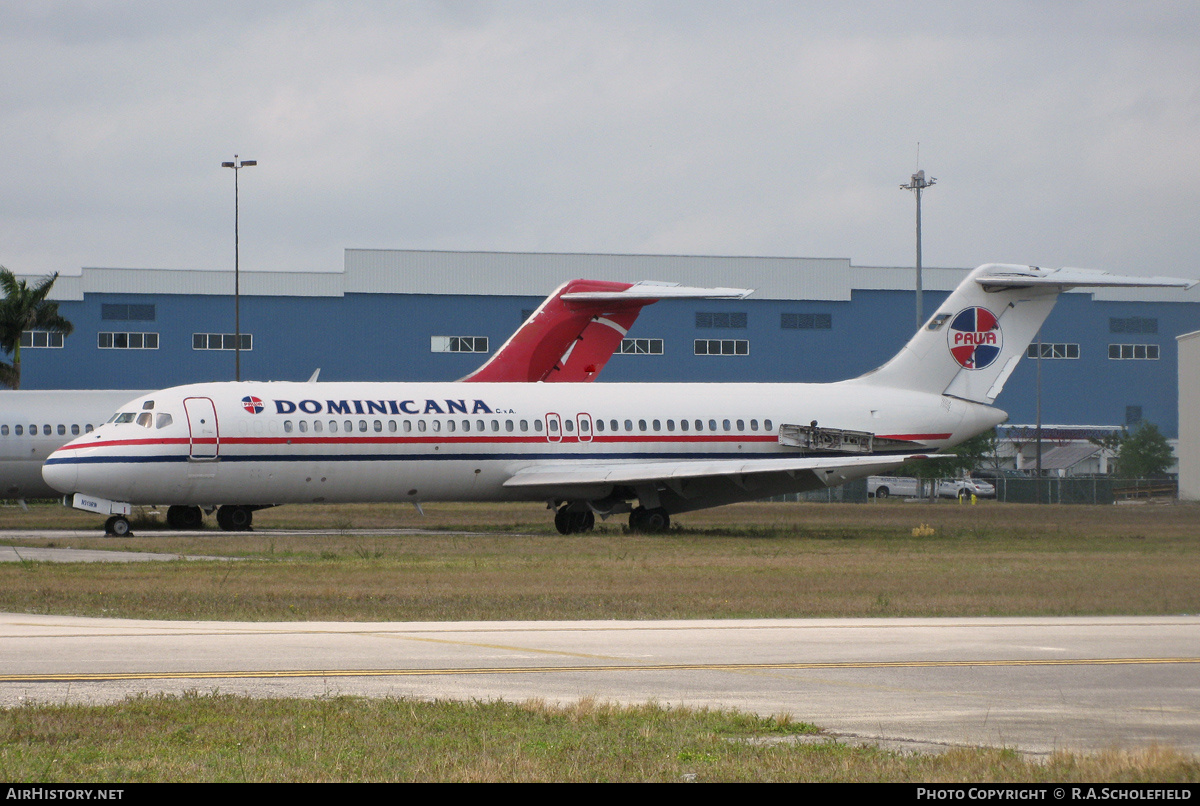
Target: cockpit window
{"type": "Point", "coordinates": [147, 405]}
{"type": "Point", "coordinates": [164, 420]}
{"type": "Point", "coordinates": [145, 419]}
{"type": "Point", "coordinates": [123, 417]}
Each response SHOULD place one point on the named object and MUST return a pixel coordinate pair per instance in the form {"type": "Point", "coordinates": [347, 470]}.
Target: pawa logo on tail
{"type": "Point", "coordinates": [975, 338]}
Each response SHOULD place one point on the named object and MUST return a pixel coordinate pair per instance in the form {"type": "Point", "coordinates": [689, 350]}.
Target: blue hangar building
{"type": "Point", "coordinates": [1108, 356]}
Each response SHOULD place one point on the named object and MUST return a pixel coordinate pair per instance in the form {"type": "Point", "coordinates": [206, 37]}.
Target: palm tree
{"type": "Point", "coordinates": [24, 308]}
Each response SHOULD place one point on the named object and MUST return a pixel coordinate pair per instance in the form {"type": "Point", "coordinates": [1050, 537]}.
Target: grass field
{"type": "Point", "coordinates": [752, 560]}
{"type": "Point", "coordinates": [223, 738]}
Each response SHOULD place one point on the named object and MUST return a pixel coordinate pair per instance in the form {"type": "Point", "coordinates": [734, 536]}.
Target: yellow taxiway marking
{"type": "Point", "coordinates": [630, 667]}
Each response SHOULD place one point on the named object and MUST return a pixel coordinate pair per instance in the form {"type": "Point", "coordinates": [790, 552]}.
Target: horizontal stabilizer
{"type": "Point", "coordinates": [1022, 276]}
{"type": "Point", "coordinates": [652, 292]}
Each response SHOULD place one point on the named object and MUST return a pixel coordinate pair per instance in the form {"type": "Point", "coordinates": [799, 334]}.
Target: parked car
{"type": "Point", "coordinates": [886, 486]}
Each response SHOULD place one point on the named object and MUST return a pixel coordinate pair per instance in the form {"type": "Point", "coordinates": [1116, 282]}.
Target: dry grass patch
{"type": "Point", "coordinates": [762, 560]}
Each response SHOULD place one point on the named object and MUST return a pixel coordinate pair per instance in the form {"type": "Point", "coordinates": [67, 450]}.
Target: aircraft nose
{"type": "Point", "coordinates": [59, 474]}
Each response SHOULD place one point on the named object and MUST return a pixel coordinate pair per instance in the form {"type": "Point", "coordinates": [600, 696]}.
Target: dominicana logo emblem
{"type": "Point", "coordinates": [252, 404]}
{"type": "Point", "coordinates": [975, 338]}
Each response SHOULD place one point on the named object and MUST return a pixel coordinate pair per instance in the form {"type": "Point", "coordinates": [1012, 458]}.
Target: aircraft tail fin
{"type": "Point", "coordinates": [576, 330]}
{"type": "Point", "coordinates": [973, 342]}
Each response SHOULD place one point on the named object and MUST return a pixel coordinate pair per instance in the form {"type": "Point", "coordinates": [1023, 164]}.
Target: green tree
{"type": "Point", "coordinates": [1144, 454]}
{"type": "Point", "coordinates": [24, 308]}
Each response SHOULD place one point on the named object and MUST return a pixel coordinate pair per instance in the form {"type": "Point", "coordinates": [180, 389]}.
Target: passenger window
{"type": "Point", "coordinates": [553, 425]}
{"type": "Point", "coordinates": [449, 425]}
{"type": "Point", "coordinates": [767, 425]}
{"type": "Point", "coordinates": [537, 425]}
{"type": "Point", "coordinates": [496, 425]}
{"type": "Point", "coordinates": [362, 426]}
{"type": "Point", "coordinates": [378, 426]}
{"type": "Point", "coordinates": [524, 425]}
{"type": "Point", "coordinates": [613, 425]}
{"type": "Point", "coordinates": [3, 430]}
{"type": "Point", "coordinates": [164, 420]}
{"type": "Point", "coordinates": [641, 425]}
{"type": "Point", "coordinates": [629, 425]}
{"type": "Point", "coordinates": [583, 426]}
{"type": "Point", "coordinates": [670, 425]}
{"type": "Point", "coordinates": [599, 425]}
{"type": "Point", "coordinates": [420, 425]}
{"type": "Point", "coordinates": [657, 425]}
{"type": "Point", "coordinates": [570, 426]}
{"type": "Point", "coordinates": [508, 425]}
{"type": "Point", "coordinates": [318, 426]}
{"type": "Point", "coordinates": [479, 425]}
{"type": "Point", "coordinates": [87, 428]}
{"type": "Point", "coordinates": [348, 427]}
{"type": "Point", "coordinates": [699, 425]}
{"type": "Point", "coordinates": [62, 429]}
{"type": "Point", "coordinates": [392, 426]}
{"type": "Point", "coordinates": [287, 426]}
{"type": "Point", "coordinates": [754, 425]}
{"type": "Point", "coordinates": [303, 426]}
{"type": "Point", "coordinates": [741, 425]}
{"type": "Point", "coordinates": [712, 425]}
{"type": "Point", "coordinates": [18, 430]}
{"type": "Point", "coordinates": [407, 426]}
{"type": "Point", "coordinates": [333, 426]}
{"type": "Point", "coordinates": [683, 425]}
{"type": "Point", "coordinates": [74, 428]}
{"type": "Point", "coordinates": [437, 425]}
{"type": "Point", "coordinates": [47, 430]}
{"type": "Point", "coordinates": [726, 425]}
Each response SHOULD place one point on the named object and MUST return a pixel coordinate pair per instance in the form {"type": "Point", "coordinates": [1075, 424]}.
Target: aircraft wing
{"type": "Point", "coordinates": [590, 475]}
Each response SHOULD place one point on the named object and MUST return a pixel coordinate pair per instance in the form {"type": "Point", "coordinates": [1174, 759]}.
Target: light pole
{"type": "Point", "coordinates": [238, 165]}
{"type": "Point", "coordinates": [919, 183]}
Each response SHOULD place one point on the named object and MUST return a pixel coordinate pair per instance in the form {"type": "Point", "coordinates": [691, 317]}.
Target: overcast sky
{"type": "Point", "coordinates": [1061, 133]}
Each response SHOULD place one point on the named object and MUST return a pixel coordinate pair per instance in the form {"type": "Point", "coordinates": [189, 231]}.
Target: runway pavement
{"type": "Point", "coordinates": [1035, 684]}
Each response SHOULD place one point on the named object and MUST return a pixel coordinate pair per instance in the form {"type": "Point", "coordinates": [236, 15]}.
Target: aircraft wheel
{"type": "Point", "coordinates": [185, 518]}
{"type": "Point", "coordinates": [882, 492]}
{"type": "Point", "coordinates": [568, 522]}
{"type": "Point", "coordinates": [117, 526]}
{"type": "Point", "coordinates": [235, 518]}
{"type": "Point", "coordinates": [649, 520]}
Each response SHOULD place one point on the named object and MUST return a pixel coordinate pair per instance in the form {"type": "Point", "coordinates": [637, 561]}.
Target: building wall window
{"type": "Point", "coordinates": [121, 312]}
{"type": "Point", "coordinates": [1133, 324]}
{"type": "Point", "coordinates": [722, 347]}
{"type": "Point", "coordinates": [1148, 352]}
{"type": "Point", "coordinates": [221, 341]}
{"type": "Point", "coordinates": [720, 320]}
{"type": "Point", "coordinates": [1053, 350]}
{"type": "Point", "coordinates": [41, 338]}
{"type": "Point", "coordinates": [806, 321]}
{"type": "Point", "coordinates": [458, 344]}
{"type": "Point", "coordinates": [640, 347]}
{"type": "Point", "coordinates": [127, 341]}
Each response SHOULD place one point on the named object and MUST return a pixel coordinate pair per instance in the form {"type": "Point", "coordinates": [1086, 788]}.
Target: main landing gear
{"type": "Point", "coordinates": [235, 518]}
{"type": "Point", "coordinates": [649, 520]}
{"type": "Point", "coordinates": [569, 521]}
{"type": "Point", "coordinates": [185, 518]}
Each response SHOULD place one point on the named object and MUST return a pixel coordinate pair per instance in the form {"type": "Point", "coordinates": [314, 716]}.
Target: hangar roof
{"type": "Point", "coordinates": [535, 274]}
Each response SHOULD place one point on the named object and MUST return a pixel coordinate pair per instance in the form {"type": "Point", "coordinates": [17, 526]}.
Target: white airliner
{"type": "Point", "coordinates": [568, 338]}
{"type": "Point", "coordinates": [585, 449]}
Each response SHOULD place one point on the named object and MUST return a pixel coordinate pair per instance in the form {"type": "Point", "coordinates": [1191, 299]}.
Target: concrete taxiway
{"type": "Point", "coordinates": [1036, 684]}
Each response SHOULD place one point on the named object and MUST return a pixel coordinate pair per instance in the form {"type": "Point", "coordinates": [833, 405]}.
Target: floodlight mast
{"type": "Point", "coordinates": [917, 184]}
{"type": "Point", "coordinates": [237, 166]}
